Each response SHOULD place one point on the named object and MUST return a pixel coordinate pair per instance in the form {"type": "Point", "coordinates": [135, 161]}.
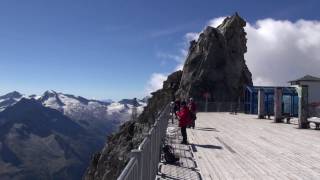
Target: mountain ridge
{"type": "Point", "coordinates": [54, 135]}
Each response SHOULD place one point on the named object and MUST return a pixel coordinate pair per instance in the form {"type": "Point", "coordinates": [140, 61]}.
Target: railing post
{"type": "Point", "coordinates": [303, 107]}
{"type": "Point", "coordinates": [149, 155]}
{"type": "Point", "coordinates": [277, 104]}
{"type": "Point", "coordinates": [152, 137]}
{"type": "Point", "coordinates": [261, 109]}
{"type": "Point", "coordinates": [137, 154]}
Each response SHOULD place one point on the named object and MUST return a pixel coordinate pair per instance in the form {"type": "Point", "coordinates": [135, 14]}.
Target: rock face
{"type": "Point", "coordinates": [216, 64]}
{"type": "Point", "coordinates": [110, 162]}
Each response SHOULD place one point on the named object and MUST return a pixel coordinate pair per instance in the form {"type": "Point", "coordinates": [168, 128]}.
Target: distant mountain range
{"type": "Point", "coordinates": [52, 136]}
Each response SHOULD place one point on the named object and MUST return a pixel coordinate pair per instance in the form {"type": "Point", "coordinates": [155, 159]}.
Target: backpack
{"type": "Point", "coordinates": [169, 156]}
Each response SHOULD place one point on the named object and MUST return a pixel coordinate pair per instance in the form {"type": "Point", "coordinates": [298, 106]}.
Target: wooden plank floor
{"type": "Point", "coordinates": [184, 169]}
{"type": "Point", "coordinates": [241, 146]}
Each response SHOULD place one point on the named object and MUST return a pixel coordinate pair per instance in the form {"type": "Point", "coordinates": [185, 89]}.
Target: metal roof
{"type": "Point", "coordinates": [306, 78]}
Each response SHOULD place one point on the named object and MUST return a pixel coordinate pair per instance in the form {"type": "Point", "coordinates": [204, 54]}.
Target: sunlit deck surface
{"type": "Point", "coordinates": [226, 146]}
{"type": "Point", "coordinates": [186, 168]}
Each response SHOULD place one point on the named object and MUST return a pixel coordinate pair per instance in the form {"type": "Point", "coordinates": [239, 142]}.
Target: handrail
{"type": "Point", "coordinates": [143, 164]}
{"type": "Point", "coordinates": [129, 168]}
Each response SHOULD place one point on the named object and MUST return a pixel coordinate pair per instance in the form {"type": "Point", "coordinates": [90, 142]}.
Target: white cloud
{"type": "Point", "coordinates": [191, 36]}
{"type": "Point", "coordinates": [216, 21]}
{"type": "Point", "coordinates": [155, 82]}
{"type": "Point", "coordinates": [278, 50]}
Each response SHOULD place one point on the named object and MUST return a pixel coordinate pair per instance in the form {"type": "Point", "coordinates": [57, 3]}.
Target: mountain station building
{"type": "Point", "coordinates": [290, 96]}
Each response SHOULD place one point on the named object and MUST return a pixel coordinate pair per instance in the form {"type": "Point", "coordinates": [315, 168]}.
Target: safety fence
{"type": "Point", "coordinates": [220, 107]}
{"type": "Point", "coordinates": [143, 164]}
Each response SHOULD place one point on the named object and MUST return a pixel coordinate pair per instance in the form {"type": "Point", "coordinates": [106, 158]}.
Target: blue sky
{"type": "Point", "coordinates": [109, 49]}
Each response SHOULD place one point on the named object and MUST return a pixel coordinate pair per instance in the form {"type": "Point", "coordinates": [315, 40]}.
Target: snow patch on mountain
{"type": "Point", "coordinates": [86, 112]}
{"type": "Point", "coordinates": [115, 108]}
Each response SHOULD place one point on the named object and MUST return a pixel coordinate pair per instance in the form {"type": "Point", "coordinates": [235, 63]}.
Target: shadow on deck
{"type": "Point", "coordinates": [186, 168]}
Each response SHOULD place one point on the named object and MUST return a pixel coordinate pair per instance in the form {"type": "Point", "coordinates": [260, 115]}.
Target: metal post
{"type": "Point", "coordinates": [292, 106]}
{"type": "Point", "coordinates": [303, 107]}
{"type": "Point", "coordinates": [261, 108]}
{"type": "Point", "coordinates": [277, 104]}
{"type": "Point", "coordinates": [251, 103]}
{"type": "Point", "coordinates": [146, 158]}
{"type": "Point", "coordinates": [137, 154]}
{"type": "Point", "coordinates": [206, 105]}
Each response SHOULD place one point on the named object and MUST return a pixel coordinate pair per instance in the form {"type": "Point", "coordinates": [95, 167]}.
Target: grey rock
{"type": "Point", "coordinates": [216, 64]}
{"type": "Point", "coordinates": [109, 163]}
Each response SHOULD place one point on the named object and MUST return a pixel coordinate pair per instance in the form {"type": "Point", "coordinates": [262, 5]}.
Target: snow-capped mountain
{"type": "Point", "coordinates": [55, 133]}
{"type": "Point", "coordinates": [9, 99]}
{"type": "Point", "coordinates": [85, 111]}
{"type": "Point", "coordinates": [82, 109]}
{"type": "Point", "coordinates": [41, 143]}
{"type": "Point", "coordinates": [12, 98]}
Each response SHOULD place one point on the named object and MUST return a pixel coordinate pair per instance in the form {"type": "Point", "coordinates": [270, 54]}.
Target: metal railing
{"type": "Point", "coordinates": [220, 106]}
{"type": "Point", "coordinates": [314, 110]}
{"type": "Point", "coordinates": [143, 164]}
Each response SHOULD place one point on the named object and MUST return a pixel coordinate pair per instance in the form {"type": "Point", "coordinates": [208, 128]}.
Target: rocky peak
{"type": "Point", "coordinates": [51, 96]}
{"type": "Point", "coordinates": [50, 93]}
{"type": "Point", "coordinates": [232, 29]}
{"type": "Point", "coordinates": [11, 95]}
{"type": "Point", "coordinates": [215, 63]}
{"type": "Point", "coordinates": [9, 99]}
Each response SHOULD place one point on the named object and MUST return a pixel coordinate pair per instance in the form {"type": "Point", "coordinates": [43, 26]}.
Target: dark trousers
{"type": "Point", "coordinates": [184, 133]}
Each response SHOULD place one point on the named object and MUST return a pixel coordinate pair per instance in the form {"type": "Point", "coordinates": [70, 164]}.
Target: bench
{"type": "Point", "coordinates": [314, 120]}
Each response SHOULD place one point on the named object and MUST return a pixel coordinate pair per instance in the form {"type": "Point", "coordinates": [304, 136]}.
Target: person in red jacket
{"type": "Point", "coordinates": [184, 120]}
{"type": "Point", "coordinates": [193, 109]}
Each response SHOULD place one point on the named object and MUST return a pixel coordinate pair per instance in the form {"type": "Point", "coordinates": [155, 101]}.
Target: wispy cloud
{"type": "Point", "coordinates": [155, 82]}
{"type": "Point", "coordinates": [170, 30]}
{"type": "Point", "coordinates": [163, 55]}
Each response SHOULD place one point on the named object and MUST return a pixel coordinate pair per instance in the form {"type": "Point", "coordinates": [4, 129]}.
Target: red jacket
{"type": "Point", "coordinates": [184, 117]}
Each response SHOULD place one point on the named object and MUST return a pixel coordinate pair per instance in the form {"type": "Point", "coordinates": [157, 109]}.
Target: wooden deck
{"type": "Point", "coordinates": [241, 146]}
{"type": "Point", "coordinates": [184, 169]}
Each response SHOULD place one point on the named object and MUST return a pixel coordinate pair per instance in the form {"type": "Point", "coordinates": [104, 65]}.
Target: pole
{"type": "Point", "coordinates": [206, 105]}
{"type": "Point", "coordinates": [303, 107]}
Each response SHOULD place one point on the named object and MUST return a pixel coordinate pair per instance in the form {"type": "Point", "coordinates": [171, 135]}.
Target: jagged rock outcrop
{"type": "Point", "coordinates": [108, 164]}
{"type": "Point", "coordinates": [216, 63]}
